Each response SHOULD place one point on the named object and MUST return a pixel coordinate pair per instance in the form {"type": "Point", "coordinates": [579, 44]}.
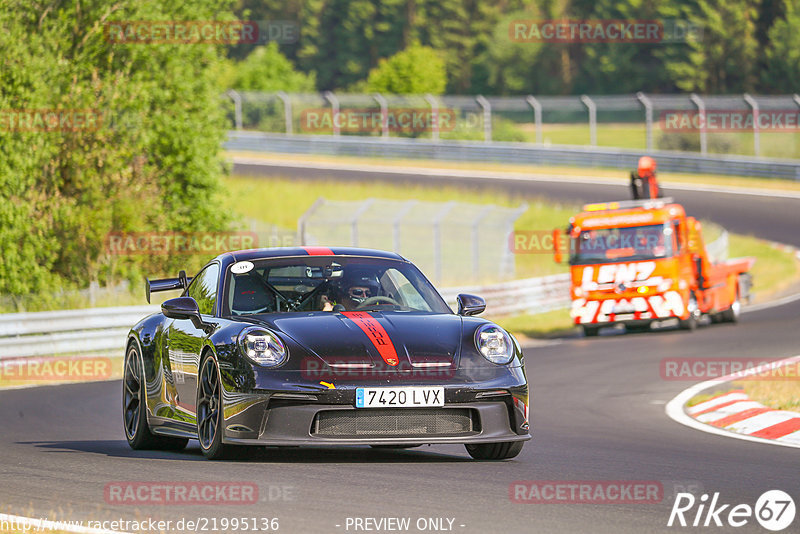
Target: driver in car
{"type": "Point", "coordinates": [352, 292]}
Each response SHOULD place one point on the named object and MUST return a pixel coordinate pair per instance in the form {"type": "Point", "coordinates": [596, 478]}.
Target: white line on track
{"type": "Point", "coordinates": [28, 523]}
{"type": "Point", "coordinates": [674, 408]}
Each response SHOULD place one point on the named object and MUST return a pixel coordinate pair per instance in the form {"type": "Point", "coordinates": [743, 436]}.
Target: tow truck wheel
{"type": "Point", "coordinates": [690, 323]}
{"type": "Point", "coordinates": [731, 315]}
{"type": "Point", "coordinates": [590, 331]}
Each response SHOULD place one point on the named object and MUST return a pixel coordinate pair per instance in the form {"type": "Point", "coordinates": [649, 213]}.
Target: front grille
{"type": "Point", "coordinates": [400, 422]}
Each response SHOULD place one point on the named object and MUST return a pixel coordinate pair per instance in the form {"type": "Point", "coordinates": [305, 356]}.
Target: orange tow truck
{"type": "Point", "coordinates": [643, 261]}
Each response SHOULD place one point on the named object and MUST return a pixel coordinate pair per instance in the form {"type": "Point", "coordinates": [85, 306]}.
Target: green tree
{"type": "Point", "coordinates": [151, 162]}
{"type": "Point", "coordinates": [415, 70]}
{"type": "Point", "coordinates": [266, 69]}
{"type": "Point", "coordinates": [724, 59]}
{"type": "Point", "coordinates": [782, 56]}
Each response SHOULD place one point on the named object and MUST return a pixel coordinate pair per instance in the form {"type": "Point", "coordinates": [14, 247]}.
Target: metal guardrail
{"type": "Point", "coordinates": [67, 331]}
{"type": "Point", "coordinates": [95, 329]}
{"type": "Point", "coordinates": [531, 295]}
{"type": "Point", "coordinates": [685, 121]}
{"type": "Point", "coordinates": [99, 329]}
{"type": "Point", "coordinates": [521, 153]}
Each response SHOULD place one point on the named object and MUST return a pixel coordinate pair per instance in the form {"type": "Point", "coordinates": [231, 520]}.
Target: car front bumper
{"type": "Point", "coordinates": [290, 423]}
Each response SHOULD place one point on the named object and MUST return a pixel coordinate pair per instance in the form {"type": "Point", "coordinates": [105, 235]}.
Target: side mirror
{"type": "Point", "coordinates": [185, 308]}
{"type": "Point", "coordinates": [557, 245]}
{"type": "Point", "coordinates": [180, 308]}
{"type": "Point", "coordinates": [470, 304]}
{"type": "Point", "coordinates": [701, 279]}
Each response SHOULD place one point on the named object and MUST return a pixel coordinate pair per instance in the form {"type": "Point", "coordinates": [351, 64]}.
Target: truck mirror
{"type": "Point", "coordinates": [557, 245]}
{"type": "Point", "coordinates": [698, 264]}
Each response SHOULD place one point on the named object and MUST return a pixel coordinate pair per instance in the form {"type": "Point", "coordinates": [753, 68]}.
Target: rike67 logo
{"type": "Point", "coordinates": [774, 510]}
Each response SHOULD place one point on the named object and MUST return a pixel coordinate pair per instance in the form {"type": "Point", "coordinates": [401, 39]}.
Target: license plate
{"type": "Point", "coordinates": [623, 308]}
{"type": "Point", "coordinates": [404, 397]}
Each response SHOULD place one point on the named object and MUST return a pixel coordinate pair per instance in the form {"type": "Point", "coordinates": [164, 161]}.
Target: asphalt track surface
{"type": "Point", "coordinates": [597, 413]}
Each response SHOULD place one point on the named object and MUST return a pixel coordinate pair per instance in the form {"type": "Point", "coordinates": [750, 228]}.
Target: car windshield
{"type": "Point", "coordinates": [329, 283]}
{"type": "Point", "coordinates": [622, 244]}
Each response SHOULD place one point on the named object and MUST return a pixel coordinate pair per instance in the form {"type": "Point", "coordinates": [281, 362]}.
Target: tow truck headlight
{"type": "Point", "coordinates": [494, 344]}
{"type": "Point", "coordinates": [262, 347]}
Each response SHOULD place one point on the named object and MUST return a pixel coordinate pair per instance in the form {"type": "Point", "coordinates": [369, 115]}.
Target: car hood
{"type": "Point", "coordinates": [402, 340]}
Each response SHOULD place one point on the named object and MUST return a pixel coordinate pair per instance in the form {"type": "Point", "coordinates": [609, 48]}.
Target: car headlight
{"type": "Point", "coordinates": [263, 347]}
{"type": "Point", "coordinates": [494, 343]}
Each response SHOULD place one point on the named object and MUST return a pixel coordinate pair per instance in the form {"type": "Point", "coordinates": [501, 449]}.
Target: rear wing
{"type": "Point", "coordinates": [166, 284]}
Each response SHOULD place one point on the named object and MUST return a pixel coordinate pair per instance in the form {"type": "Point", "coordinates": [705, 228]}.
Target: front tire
{"type": "Point", "coordinates": [690, 323]}
{"type": "Point", "coordinates": [134, 410]}
{"type": "Point", "coordinates": [731, 315]}
{"type": "Point", "coordinates": [210, 412]}
{"type": "Point", "coordinates": [590, 331]}
{"type": "Point", "coordinates": [495, 451]}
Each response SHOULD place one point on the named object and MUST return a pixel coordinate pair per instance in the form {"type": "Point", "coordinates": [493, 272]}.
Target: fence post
{"type": "Point", "coordinates": [701, 109]}
{"type": "Point", "coordinates": [537, 116]}
{"type": "Point", "coordinates": [476, 245]}
{"type": "Point", "coordinates": [301, 222]}
{"type": "Point", "coordinates": [330, 97]}
{"type": "Point", "coordinates": [648, 118]}
{"type": "Point", "coordinates": [429, 98]}
{"type": "Point", "coordinates": [287, 111]}
{"type": "Point", "coordinates": [237, 107]}
{"type": "Point", "coordinates": [507, 262]}
{"type": "Point", "coordinates": [487, 118]}
{"type": "Point", "coordinates": [437, 239]}
{"type": "Point", "coordinates": [354, 221]}
{"type": "Point", "coordinates": [384, 114]}
{"type": "Point", "coordinates": [754, 106]}
{"type": "Point", "coordinates": [592, 118]}
{"type": "Point", "coordinates": [396, 223]}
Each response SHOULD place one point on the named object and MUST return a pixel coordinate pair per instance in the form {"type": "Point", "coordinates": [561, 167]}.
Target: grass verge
{"type": "Point", "coordinates": [778, 394]}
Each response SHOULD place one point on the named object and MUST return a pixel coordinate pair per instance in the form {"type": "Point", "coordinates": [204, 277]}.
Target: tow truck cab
{"type": "Point", "coordinates": [636, 262]}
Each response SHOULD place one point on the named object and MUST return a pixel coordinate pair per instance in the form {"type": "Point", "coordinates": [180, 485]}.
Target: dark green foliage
{"type": "Point", "coordinates": [152, 164]}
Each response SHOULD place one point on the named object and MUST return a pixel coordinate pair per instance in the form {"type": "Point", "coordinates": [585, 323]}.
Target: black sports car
{"type": "Point", "coordinates": [318, 346]}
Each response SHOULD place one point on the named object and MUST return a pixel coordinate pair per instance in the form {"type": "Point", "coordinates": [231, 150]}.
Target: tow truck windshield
{"type": "Point", "coordinates": [622, 244]}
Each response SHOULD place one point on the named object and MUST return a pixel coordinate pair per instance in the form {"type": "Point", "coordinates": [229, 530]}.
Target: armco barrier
{"type": "Point", "coordinates": [96, 329]}
{"type": "Point", "coordinates": [104, 329]}
{"type": "Point", "coordinates": [521, 153]}
{"type": "Point", "coordinates": [67, 331]}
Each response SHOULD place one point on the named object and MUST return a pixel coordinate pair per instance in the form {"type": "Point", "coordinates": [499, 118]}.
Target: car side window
{"type": "Point", "coordinates": [203, 289]}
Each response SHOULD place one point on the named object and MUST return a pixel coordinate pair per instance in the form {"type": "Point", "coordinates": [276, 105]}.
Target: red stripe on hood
{"type": "Point", "coordinates": [377, 334]}
{"type": "Point", "coordinates": [318, 251]}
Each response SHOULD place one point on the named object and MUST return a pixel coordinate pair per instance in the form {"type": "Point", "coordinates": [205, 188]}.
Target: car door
{"type": "Point", "coordinates": [185, 342]}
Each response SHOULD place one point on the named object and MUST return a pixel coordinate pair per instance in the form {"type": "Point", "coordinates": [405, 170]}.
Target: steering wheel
{"type": "Point", "coordinates": [375, 300]}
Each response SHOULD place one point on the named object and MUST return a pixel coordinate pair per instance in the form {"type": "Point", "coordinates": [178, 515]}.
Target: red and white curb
{"type": "Point", "coordinates": [733, 414]}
